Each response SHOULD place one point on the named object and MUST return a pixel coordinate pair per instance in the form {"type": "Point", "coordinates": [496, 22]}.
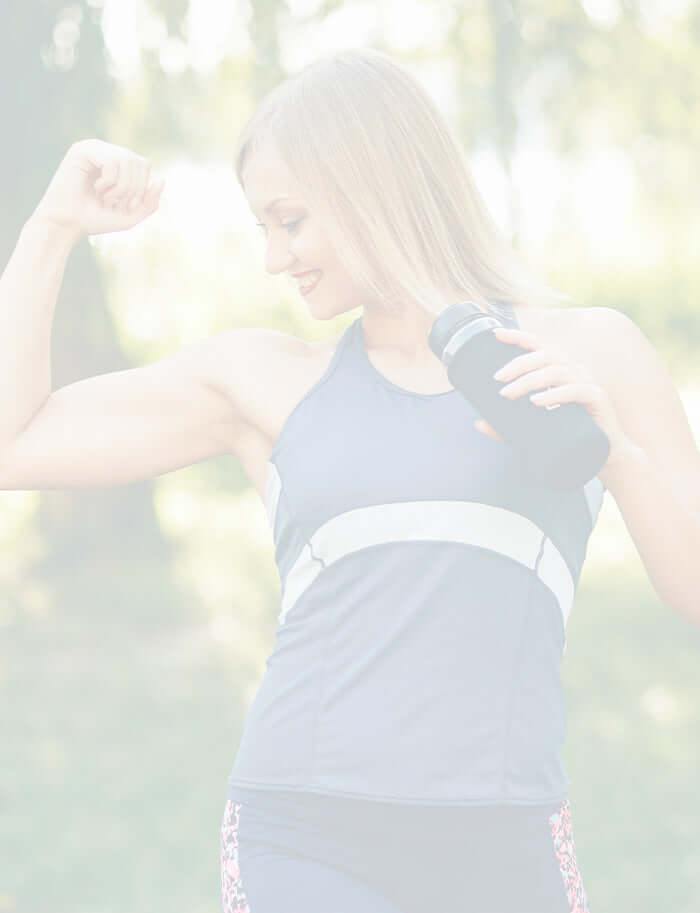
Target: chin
{"type": "Point", "coordinates": [321, 310]}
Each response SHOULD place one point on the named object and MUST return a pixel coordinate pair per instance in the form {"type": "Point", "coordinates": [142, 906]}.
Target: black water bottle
{"type": "Point", "coordinates": [560, 447]}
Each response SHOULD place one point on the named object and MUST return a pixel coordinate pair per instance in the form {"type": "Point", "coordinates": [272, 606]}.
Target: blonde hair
{"type": "Point", "coordinates": [390, 181]}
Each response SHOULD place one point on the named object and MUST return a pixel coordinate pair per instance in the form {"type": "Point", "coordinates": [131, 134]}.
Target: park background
{"type": "Point", "coordinates": [135, 620]}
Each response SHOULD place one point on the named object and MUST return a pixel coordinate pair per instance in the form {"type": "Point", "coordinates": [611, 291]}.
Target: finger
{"type": "Point", "coordinates": [121, 189]}
{"type": "Point", "coordinates": [151, 198]}
{"type": "Point", "coordinates": [144, 172]}
{"type": "Point", "coordinates": [567, 393]}
{"type": "Point", "coordinates": [133, 171]}
{"type": "Point", "coordinates": [521, 363]}
{"type": "Point", "coordinates": [484, 427]}
{"type": "Point", "coordinates": [110, 194]}
{"type": "Point", "coordinates": [540, 354]}
{"type": "Point", "coordinates": [535, 380]}
{"type": "Point", "coordinates": [137, 188]}
{"type": "Point", "coordinates": [108, 177]}
{"type": "Point", "coordinates": [517, 337]}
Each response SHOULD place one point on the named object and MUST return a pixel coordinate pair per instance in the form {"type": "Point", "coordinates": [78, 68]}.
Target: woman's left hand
{"type": "Point", "coordinates": [566, 382]}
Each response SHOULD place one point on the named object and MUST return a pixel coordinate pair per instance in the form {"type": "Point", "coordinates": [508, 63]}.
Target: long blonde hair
{"type": "Point", "coordinates": [381, 165]}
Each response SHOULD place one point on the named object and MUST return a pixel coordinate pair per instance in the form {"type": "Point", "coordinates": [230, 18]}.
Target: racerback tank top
{"type": "Point", "coordinates": [425, 592]}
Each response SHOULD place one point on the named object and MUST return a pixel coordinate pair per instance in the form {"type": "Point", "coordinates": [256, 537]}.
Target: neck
{"type": "Point", "coordinates": [404, 336]}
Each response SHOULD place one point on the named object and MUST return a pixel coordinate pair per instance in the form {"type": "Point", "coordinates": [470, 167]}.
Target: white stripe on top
{"type": "Point", "coordinates": [470, 523]}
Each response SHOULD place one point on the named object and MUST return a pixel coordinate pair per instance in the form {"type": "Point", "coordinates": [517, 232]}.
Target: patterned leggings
{"type": "Point", "coordinates": [331, 855]}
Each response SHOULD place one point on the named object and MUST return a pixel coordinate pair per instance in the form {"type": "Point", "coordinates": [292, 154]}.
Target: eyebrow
{"type": "Point", "coordinates": [271, 206]}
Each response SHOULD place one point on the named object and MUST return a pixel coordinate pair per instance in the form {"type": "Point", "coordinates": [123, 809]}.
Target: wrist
{"type": "Point", "coordinates": [51, 231]}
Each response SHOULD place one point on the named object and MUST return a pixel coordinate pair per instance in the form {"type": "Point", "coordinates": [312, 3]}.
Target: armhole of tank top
{"type": "Point", "coordinates": [327, 374]}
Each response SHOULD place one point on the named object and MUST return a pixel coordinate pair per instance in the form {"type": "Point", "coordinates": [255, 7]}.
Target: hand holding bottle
{"type": "Point", "coordinates": [561, 448]}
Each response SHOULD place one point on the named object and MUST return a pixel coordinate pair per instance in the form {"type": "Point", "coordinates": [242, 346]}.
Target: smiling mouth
{"type": "Point", "coordinates": [306, 283]}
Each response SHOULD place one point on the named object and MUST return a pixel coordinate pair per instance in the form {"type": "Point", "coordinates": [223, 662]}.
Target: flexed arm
{"type": "Point", "coordinates": [78, 202]}
{"type": "Point", "coordinates": [122, 426]}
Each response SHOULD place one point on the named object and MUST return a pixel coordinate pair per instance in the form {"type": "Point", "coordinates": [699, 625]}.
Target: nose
{"type": "Point", "coordinates": [278, 258]}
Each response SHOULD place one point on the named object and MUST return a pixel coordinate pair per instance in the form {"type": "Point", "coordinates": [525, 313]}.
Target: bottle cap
{"type": "Point", "coordinates": [449, 320]}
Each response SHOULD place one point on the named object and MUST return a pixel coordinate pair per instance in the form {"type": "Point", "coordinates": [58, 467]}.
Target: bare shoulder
{"type": "Point", "coordinates": [565, 322]}
{"type": "Point", "coordinates": [556, 325]}
{"type": "Point", "coordinates": [621, 354]}
{"type": "Point", "coordinates": [598, 334]}
{"type": "Point", "coordinates": [592, 336]}
{"type": "Point", "coordinates": [611, 345]}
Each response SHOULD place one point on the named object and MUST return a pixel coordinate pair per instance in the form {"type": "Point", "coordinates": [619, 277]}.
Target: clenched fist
{"type": "Point", "coordinates": [99, 187]}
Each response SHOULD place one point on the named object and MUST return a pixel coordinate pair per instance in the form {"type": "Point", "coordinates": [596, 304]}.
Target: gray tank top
{"type": "Point", "coordinates": [425, 592]}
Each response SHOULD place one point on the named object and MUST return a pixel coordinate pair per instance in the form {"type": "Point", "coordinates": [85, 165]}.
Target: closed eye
{"type": "Point", "coordinates": [290, 226]}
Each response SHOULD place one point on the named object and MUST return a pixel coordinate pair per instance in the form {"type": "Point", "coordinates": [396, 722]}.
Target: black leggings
{"type": "Point", "coordinates": [331, 855]}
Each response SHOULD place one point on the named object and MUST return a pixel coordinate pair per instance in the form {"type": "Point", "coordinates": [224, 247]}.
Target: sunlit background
{"type": "Point", "coordinates": [591, 207]}
{"type": "Point", "coordinates": [131, 651]}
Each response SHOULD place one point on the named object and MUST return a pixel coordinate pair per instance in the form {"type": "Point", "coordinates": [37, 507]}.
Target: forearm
{"type": "Point", "coordinates": [28, 291]}
{"type": "Point", "coordinates": [664, 529]}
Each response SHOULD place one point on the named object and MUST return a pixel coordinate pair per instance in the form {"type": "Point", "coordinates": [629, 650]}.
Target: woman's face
{"type": "Point", "coordinates": [296, 241]}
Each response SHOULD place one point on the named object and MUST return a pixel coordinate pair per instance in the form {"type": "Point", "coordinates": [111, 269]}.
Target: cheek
{"type": "Point", "coordinates": [313, 238]}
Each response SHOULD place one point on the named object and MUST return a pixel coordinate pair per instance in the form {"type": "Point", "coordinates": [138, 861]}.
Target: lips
{"type": "Point", "coordinates": [307, 280]}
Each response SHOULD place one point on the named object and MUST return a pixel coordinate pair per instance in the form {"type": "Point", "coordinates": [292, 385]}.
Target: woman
{"type": "Point", "coordinates": [403, 750]}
